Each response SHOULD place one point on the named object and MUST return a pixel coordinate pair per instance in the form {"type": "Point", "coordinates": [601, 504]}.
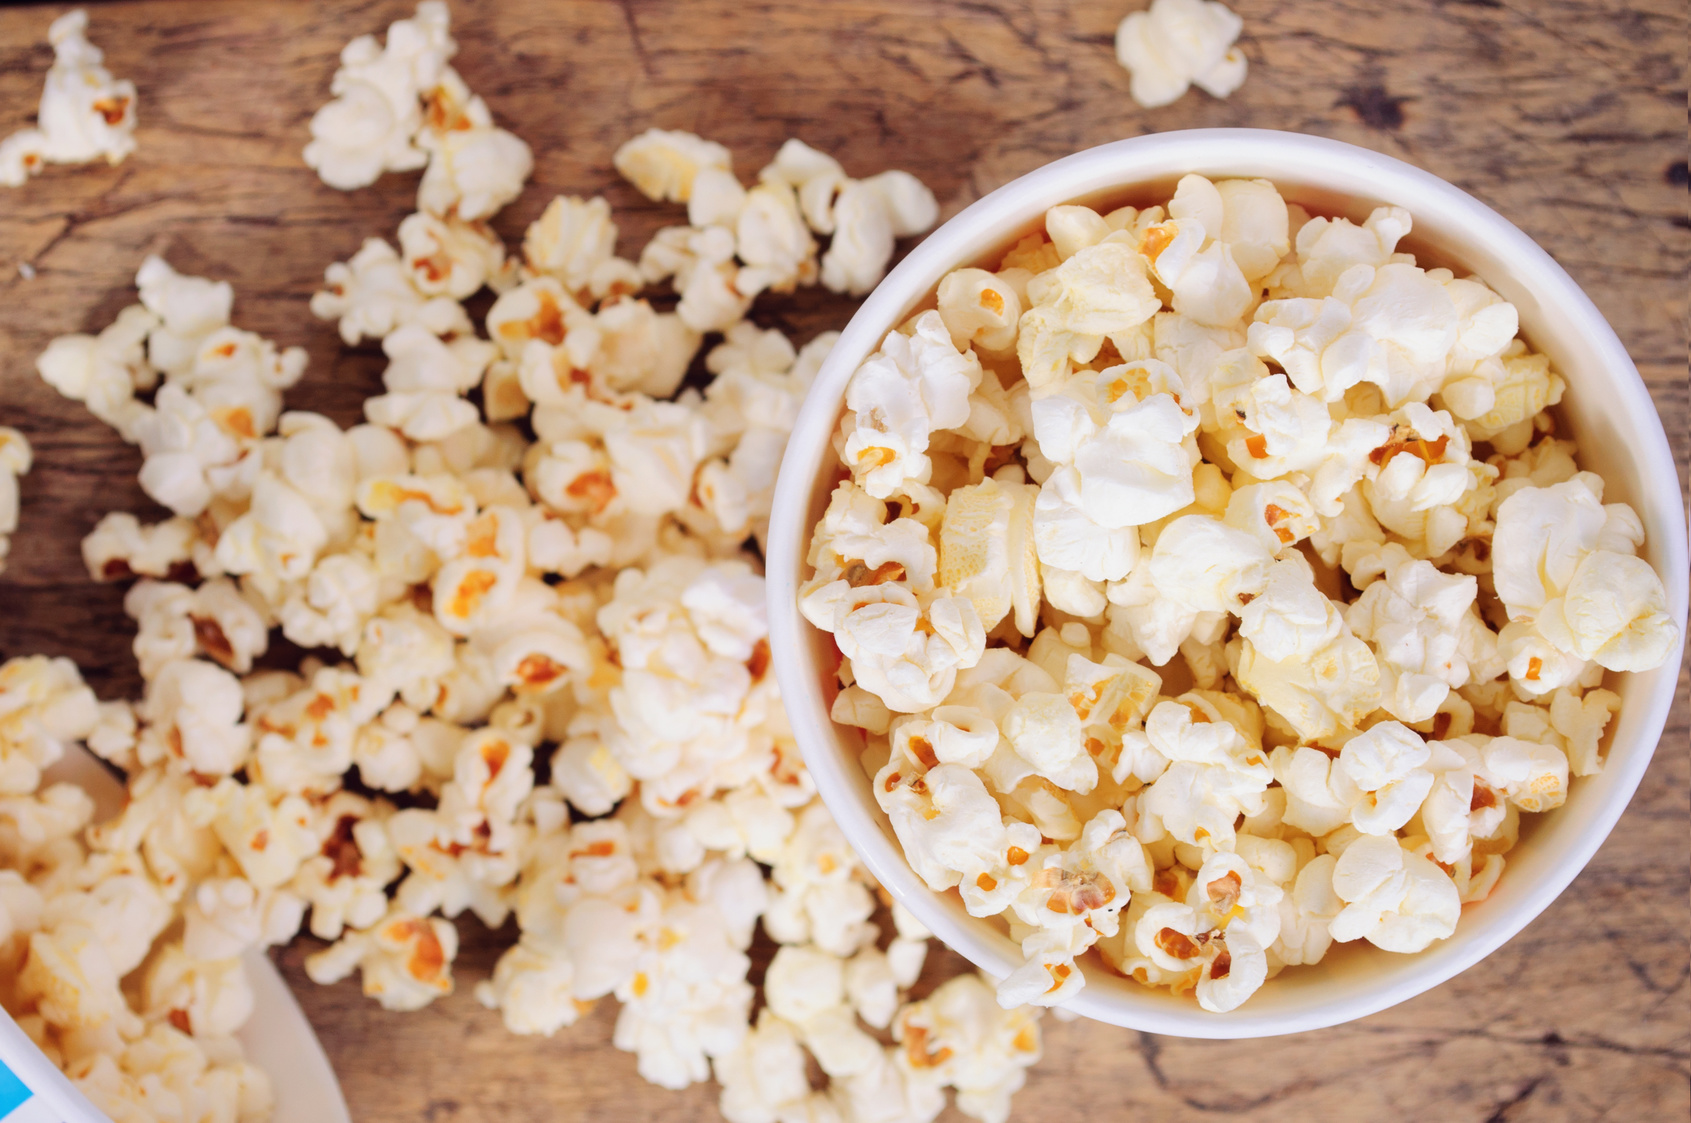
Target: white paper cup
{"type": "Point", "coordinates": [1620, 437]}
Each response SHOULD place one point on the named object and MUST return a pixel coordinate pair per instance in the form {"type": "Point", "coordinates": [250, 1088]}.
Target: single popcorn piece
{"type": "Point", "coordinates": [867, 215]}
{"type": "Point", "coordinates": [664, 164]}
{"type": "Point", "coordinates": [105, 372]}
{"type": "Point", "coordinates": [1178, 43]}
{"type": "Point", "coordinates": [474, 167]}
{"type": "Point", "coordinates": [1101, 291]}
{"type": "Point", "coordinates": [374, 293]}
{"type": "Point", "coordinates": [44, 706]}
{"type": "Point", "coordinates": [914, 385]}
{"type": "Point", "coordinates": [1395, 899]}
{"type": "Point", "coordinates": [371, 125]}
{"type": "Point", "coordinates": [406, 960]}
{"type": "Point", "coordinates": [84, 113]}
{"type": "Point", "coordinates": [959, 1036]}
{"type": "Point", "coordinates": [1417, 619]}
{"type": "Point", "coordinates": [1221, 933]}
{"type": "Point", "coordinates": [15, 460]}
{"type": "Point", "coordinates": [1565, 577]}
{"type": "Point", "coordinates": [986, 552]}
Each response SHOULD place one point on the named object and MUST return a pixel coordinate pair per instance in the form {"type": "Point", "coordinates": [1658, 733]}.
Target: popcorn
{"type": "Point", "coordinates": [986, 551]}
{"type": "Point", "coordinates": [907, 652]}
{"type": "Point", "coordinates": [1332, 689]}
{"type": "Point", "coordinates": [70, 978]}
{"type": "Point", "coordinates": [1178, 43]}
{"type": "Point", "coordinates": [193, 710]}
{"type": "Point", "coordinates": [663, 165]}
{"type": "Point", "coordinates": [1306, 915]}
{"type": "Point", "coordinates": [1534, 777]}
{"type": "Point", "coordinates": [1416, 618]}
{"type": "Point", "coordinates": [1519, 391]}
{"type": "Point", "coordinates": [1100, 291]}
{"type": "Point", "coordinates": [425, 378]}
{"type": "Point", "coordinates": [1193, 261]}
{"type": "Point", "coordinates": [1135, 467]}
{"type": "Point", "coordinates": [43, 706]}
{"type": "Point", "coordinates": [370, 126]}
{"type": "Point", "coordinates": [84, 112]}
{"type": "Point", "coordinates": [687, 999]}
{"type": "Point", "coordinates": [958, 1036]}
{"type": "Point", "coordinates": [1216, 773]}
{"type": "Point", "coordinates": [867, 215]}
{"type": "Point", "coordinates": [1385, 763]}
{"type": "Point", "coordinates": [1208, 566]}
{"type": "Point", "coordinates": [1395, 899]}
{"type": "Point", "coordinates": [806, 988]}
{"type": "Point", "coordinates": [701, 264]}
{"type": "Point", "coordinates": [406, 960]}
{"type": "Point", "coordinates": [585, 608]}
{"type": "Point", "coordinates": [373, 293]}
{"type": "Point", "coordinates": [105, 371]}
{"type": "Point", "coordinates": [764, 1075]}
{"type": "Point", "coordinates": [1217, 481]}
{"type": "Point", "coordinates": [212, 998]}
{"type": "Point", "coordinates": [980, 309]}
{"type": "Point", "coordinates": [276, 540]}
{"type": "Point", "coordinates": [1556, 574]}
{"type": "Point", "coordinates": [474, 167]}
{"type": "Point", "coordinates": [449, 257]}
{"type": "Point", "coordinates": [1392, 325]}
{"type": "Point", "coordinates": [1581, 722]}
{"type": "Point", "coordinates": [1231, 916]}
{"type": "Point", "coordinates": [574, 242]}
{"type": "Point", "coordinates": [15, 459]}
{"type": "Point", "coordinates": [227, 917]}
{"type": "Point", "coordinates": [914, 385]}
{"type": "Point", "coordinates": [178, 623]}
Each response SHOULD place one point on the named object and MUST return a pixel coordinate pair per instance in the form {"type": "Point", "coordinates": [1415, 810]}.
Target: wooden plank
{"type": "Point", "coordinates": [1566, 115]}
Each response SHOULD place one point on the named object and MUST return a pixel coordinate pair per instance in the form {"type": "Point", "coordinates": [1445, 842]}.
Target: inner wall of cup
{"type": "Point", "coordinates": [1601, 450]}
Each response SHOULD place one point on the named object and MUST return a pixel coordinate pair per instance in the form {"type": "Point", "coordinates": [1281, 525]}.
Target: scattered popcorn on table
{"type": "Point", "coordinates": [84, 112]}
{"type": "Point", "coordinates": [1211, 586]}
{"type": "Point", "coordinates": [484, 611]}
{"type": "Point", "coordinates": [1176, 44]}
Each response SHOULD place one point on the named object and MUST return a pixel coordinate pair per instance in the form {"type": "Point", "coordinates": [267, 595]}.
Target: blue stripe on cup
{"type": "Point", "coordinates": [13, 1091]}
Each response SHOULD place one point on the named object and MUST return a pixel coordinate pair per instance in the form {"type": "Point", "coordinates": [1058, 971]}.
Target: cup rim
{"type": "Point", "coordinates": [1120, 166]}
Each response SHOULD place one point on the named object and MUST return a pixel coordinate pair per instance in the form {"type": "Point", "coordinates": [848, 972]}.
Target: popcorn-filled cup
{"type": "Point", "coordinates": [1607, 407]}
{"type": "Point", "coordinates": [277, 1038]}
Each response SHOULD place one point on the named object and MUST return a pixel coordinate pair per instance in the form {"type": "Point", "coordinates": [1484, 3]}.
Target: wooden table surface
{"type": "Point", "coordinates": [1568, 116]}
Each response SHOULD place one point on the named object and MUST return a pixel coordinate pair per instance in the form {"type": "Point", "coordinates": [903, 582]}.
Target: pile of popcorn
{"type": "Point", "coordinates": [84, 113]}
{"type": "Point", "coordinates": [1212, 584]}
{"type": "Point", "coordinates": [540, 681]}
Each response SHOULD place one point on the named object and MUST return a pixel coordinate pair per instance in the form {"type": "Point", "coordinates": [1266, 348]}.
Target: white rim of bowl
{"type": "Point", "coordinates": [1121, 165]}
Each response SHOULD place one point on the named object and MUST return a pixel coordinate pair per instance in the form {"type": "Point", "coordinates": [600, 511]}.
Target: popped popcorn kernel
{"type": "Point", "coordinates": [84, 113]}
{"type": "Point", "coordinates": [1176, 44]}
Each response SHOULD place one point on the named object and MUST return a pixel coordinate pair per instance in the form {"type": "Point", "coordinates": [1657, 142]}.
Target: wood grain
{"type": "Point", "coordinates": [1568, 116]}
